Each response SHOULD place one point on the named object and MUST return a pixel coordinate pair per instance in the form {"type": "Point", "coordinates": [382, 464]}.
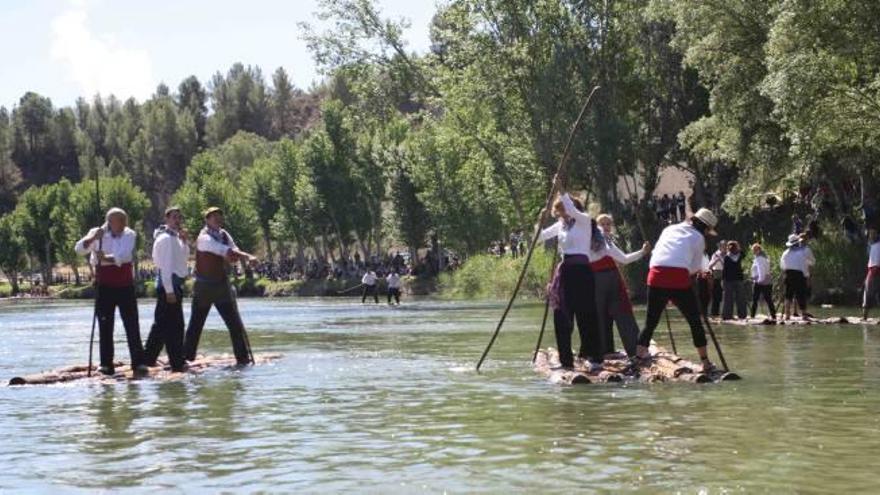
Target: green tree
{"type": "Point", "coordinates": [258, 186]}
{"type": "Point", "coordinates": [12, 250]}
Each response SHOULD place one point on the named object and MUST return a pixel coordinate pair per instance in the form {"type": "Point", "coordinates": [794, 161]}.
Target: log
{"type": "Point", "coordinates": [663, 367]}
{"type": "Point", "coordinates": [124, 372]}
{"type": "Point", "coordinates": [761, 320]}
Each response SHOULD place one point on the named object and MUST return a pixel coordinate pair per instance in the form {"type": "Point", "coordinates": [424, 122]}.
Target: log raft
{"type": "Point", "coordinates": [762, 320]}
{"type": "Point", "coordinates": [663, 367]}
{"type": "Point", "coordinates": [124, 372]}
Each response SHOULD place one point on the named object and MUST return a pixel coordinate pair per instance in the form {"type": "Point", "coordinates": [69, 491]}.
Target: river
{"type": "Point", "coordinates": [372, 399]}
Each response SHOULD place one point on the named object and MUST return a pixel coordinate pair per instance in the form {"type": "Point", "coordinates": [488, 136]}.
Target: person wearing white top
{"type": "Point", "coordinates": [762, 281]}
{"type": "Point", "coordinates": [111, 251]}
{"type": "Point", "coordinates": [215, 250]}
{"type": "Point", "coordinates": [369, 283]}
{"type": "Point", "coordinates": [677, 258]}
{"type": "Point", "coordinates": [612, 298]}
{"type": "Point", "coordinates": [796, 262]}
{"type": "Point", "coordinates": [170, 255]}
{"type": "Point", "coordinates": [571, 292]}
{"type": "Point", "coordinates": [393, 281]}
{"type": "Point", "coordinates": [716, 266]}
{"type": "Point", "coordinates": [872, 279]}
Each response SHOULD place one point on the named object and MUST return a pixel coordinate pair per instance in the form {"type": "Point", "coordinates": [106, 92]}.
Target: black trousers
{"type": "Point", "coordinates": [395, 293]}
{"type": "Point", "coordinates": [578, 292]}
{"type": "Point", "coordinates": [717, 296]}
{"type": "Point", "coordinates": [124, 298]}
{"type": "Point", "coordinates": [167, 331]}
{"type": "Point", "coordinates": [685, 300]}
{"type": "Point", "coordinates": [219, 295]}
{"type": "Point", "coordinates": [705, 294]}
{"type": "Point", "coordinates": [796, 288]}
{"type": "Point", "coordinates": [765, 291]}
{"type": "Point", "coordinates": [370, 290]}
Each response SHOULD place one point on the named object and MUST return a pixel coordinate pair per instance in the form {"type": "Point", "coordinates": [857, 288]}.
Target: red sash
{"type": "Point", "coordinates": [116, 276]}
{"type": "Point", "coordinates": [666, 277]}
{"type": "Point", "coordinates": [603, 263]}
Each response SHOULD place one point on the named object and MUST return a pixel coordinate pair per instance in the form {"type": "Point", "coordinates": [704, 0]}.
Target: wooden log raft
{"type": "Point", "coordinates": [124, 372]}
{"type": "Point", "coordinates": [663, 367]}
{"type": "Point", "coordinates": [762, 320]}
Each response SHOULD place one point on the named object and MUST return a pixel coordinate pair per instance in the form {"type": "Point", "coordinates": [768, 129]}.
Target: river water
{"type": "Point", "coordinates": [380, 400]}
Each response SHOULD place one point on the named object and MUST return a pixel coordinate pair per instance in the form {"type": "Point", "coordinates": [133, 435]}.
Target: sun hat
{"type": "Point", "coordinates": [708, 218]}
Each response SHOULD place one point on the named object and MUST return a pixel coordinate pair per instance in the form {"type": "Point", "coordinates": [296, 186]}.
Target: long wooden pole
{"type": "Point", "coordinates": [542, 218]}
{"type": "Point", "coordinates": [546, 309]}
{"type": "Point", "coordinates": [711, 330]}
{"type": "Point", "coordinates": [100, 246]}
{"type": "Point", "coordinates": [669, 329]}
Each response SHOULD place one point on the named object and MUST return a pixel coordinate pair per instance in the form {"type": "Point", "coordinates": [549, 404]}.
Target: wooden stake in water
{"type": "Point", "coordinates": [560, 170]}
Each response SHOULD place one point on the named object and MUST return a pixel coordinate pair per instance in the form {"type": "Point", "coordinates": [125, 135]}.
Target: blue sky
{"type": "Point", "coordinates": [69, 48]}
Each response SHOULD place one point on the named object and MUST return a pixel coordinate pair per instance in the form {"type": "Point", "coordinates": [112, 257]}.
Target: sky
{"type": "Point", "coordinates": [64, 49]}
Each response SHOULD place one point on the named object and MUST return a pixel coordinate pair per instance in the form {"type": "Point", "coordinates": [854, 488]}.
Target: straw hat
{"type": "Point", "coordinates": [793, 240]}
{"type": "Point", "coordinates": [708, 218]}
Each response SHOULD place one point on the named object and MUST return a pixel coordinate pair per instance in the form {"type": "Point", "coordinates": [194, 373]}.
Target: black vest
{"type": "Point", "coordinates": [733, 270]}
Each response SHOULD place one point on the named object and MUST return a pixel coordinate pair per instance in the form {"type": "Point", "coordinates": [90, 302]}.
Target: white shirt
{"type": "Point", "coordinates": [716, 264]}
{"type": "Point", "coordinates": [121, 247]}
{"type": "Point", "coordinates": [577, 239]}
{"type": "Point", "coordinates": [393, 280]}
{"type": "Point", "coordinates": [208, 244]}
{"type": "Point", "coordinates": [610, 249]}
{"type": "Point", "coordinates": [369, 278]}
{"type": "Point", "coordinates": [170, 254]}
{"type": "Point", "coordinates": [800, 259]}
{"type": "Point", "coordinates": [761, 270]}
{"type": "Point", "coordinates": [679, 246]}
{"type": "Point", "coordinates": [874, 255]}
{"type": "Point", "coordinates": [705, 262]}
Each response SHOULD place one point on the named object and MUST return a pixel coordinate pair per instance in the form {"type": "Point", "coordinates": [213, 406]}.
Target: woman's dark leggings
{"type": "Point", "coordinates": [578, 291]}
{"type": "Point", "coordinates": [766, 291]}
{"type": "Point", "coordinates": [685, 300]}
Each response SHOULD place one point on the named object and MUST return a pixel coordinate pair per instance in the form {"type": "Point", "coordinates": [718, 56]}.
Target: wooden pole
{"type": "Point", "coordinates": [711, 331]}
{"type": "Point", "coordinates": [100, 246]}
{"type": "Point", "coordinates": [669, 329]}
{"type": "Point", "coordinates": [546, 308]}
{"type": "Point", "coordinates": [542, 218]}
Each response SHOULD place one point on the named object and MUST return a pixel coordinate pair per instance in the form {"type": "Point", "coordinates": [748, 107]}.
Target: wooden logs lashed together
{"type": "Point", "coordinates": [664, 367]}
{"type": "Point", "coordinates": [124, 371]}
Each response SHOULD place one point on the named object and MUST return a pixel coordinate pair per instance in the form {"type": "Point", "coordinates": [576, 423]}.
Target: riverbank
{"type": "Point", "coordinates": [257, 287]}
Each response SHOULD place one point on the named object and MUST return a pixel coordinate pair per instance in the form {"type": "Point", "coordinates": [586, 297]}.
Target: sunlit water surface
{"type": "Point", "coordinates": [381, 400]}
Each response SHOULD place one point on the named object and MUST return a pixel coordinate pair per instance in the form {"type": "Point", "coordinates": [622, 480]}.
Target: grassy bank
{"type": "Point", "coordinates": [487, 276]}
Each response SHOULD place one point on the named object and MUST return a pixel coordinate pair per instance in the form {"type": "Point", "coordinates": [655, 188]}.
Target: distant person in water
{"type": "Point", "coordinates": [215, 252]}
{"type": "Point", "coordinates": [612, 298]}
{"type": "Point", "coordinates": [872, 278]}
{"type": "Point", "coordinates": [675, 261]}
{"type": "Point", "coordinates": [762, 280]}
{"type": "Point", "coordinates": [369, 283]}
{"type": "Point", "coordinates": [170, 255]}
{"type": "Point", "coordinates": [571, 292]}
{"type": "Point", "coordinates": [796, 261]}
{"type": "Point", "coordinates": [110, 248]}
{"type": "Point", "coordinates": [393, 281]}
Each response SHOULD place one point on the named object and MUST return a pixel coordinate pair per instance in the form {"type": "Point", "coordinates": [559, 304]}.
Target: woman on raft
{"type": "Point", "coordinates": [571, 292]}
{"type": "Point", "coordinates": [762, 280]}
{"type": "Point", "coordinates": [796, 262]}
{"type": "Point", "coordinates": [872, 278]}
{"type": "Point", "coordinates": [677, 258]}
{"type": "Point", "coordinates": [612, 299]}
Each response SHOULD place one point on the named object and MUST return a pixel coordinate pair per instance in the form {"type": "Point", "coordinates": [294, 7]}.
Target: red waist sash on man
{"type": "Point", "coordinates": [669, 277]}
{"type": "Point", "coordinates": [116, 276]}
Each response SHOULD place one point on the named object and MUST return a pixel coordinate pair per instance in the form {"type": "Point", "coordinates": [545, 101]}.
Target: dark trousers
{"type": "Point", "coordinates": [124, 298]}
{"type": "Point", "coordinates": [370, 290]}
{"type": "Point", "coordinates": [717, 296]}
{"type": "Point", "coordinates": [705, 294]}
{"type": "Point", "coordinates": [578, 292]}
{"type": "Point", "coordinates": [395, 293]}
{"type": "Point", "coordinates": [167, 331]}
{"type": "Point", "coordinates": [765, 291]}
{"type": "Point", "coordinates": [219, 295]}
{"type": "Point", "coordinates": [796, 288]}
{"type": "Point", "coordinates": [685, 300]}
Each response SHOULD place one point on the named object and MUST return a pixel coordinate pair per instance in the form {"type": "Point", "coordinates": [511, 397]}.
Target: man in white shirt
{"type": "Point", "coordinates": [170, 255]}
{"type": "Point", "coordinates": [111, 249]}
{"type": "Point", "coordinates": [369, 283]}
{"type": "Point", "coordinates": [872, 279]}
{"type": "Point", "coordinates": [762, 280]}
{"type": "Point", "coordinates": [796, 262]}
{"type": "Point", "coordinates": [716, 266]}
{"type": "Point", "coordinates": [215, 250]}
{"type": "Point", "coordinates": [393, 280]}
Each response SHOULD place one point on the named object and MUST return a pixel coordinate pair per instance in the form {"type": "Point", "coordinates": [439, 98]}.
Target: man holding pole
{"type": "Point", "coordinates": [111, 250]}
{"type": "Point", "coordinates": [215, 250]}
{"type": "Point", "coordinates": [170, 254]}
{"type": "Point", "coordinates": [677, 258]}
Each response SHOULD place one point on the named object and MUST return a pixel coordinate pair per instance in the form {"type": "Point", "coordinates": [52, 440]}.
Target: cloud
{"type": "Point", "coordinates": [97, 62]}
